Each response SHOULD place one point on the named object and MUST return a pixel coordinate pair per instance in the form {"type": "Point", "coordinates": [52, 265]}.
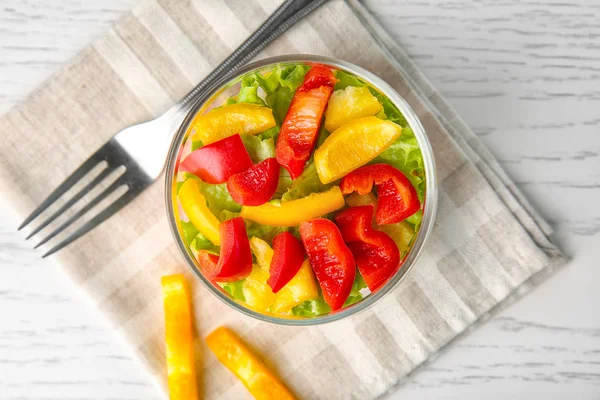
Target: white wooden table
{"type": "Point", "coordinates": [524, 74]}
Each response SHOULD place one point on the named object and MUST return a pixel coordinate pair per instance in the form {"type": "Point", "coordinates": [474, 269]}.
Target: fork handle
{"type": "Point", "coordinates": [288, 14]}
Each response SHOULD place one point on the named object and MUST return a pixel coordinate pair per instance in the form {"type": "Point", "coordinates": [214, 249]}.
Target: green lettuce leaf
{"type": "Point", "coordinates": [308, 182]}
{"type": "Point", "coordinates": [226, 214]}
{"type": "Point", "coordinates": [355, 294]}
{"type": "Point", "coordinates": [285, 181]}
{"type": "Point", "coordinates": [249, 91]}
{"type": "Point", "coordinates": [218, 198]}
{"type": "Point", "coordinates": [189, 232]}
{"type": "Point", "coordinates": [389, 109]}
{"type": "Point", "coordinates": [415, 220]}
{"type": "Point", "coordinates": [323, 134]}
{"type": "Point", "coordinates": [279, 87]}
{"type": "Point", "coordinates": [269, 134]}
{"type": "Point", "coordinates": [235, 289]}
{"type": "Point", "coordinates": [311, 308]}
{"type": "Point", "coordinates": [280, 101]}
{"type": "Point", "coordinates": [258, 149]}
{"type": "Point", "coordinates": [265, 232]}
{"type": "Point", "coordinates": [201, 243]}
{"type": "Point", "coordinates": [290, 77]}
{"type": "Point", "coordinates": [345, 79]}
{"type": "Point", "coordinates": [318, 306]}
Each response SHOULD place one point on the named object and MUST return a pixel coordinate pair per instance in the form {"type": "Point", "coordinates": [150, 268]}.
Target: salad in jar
{"type": "Point", "coordinates": [302, 192]}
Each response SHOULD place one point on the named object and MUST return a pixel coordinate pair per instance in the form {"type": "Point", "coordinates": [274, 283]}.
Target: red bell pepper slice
{"type": "Point", "coordinates": [256, 185]}
{"type": "Point", "coordinates": [235, 260]}
{"type": "Point", "coordinates": [208, 262]}
{"type": "Point", "coordinates": [288, 256]}
{"type": "Point", "coordinates": [318, 75]}
{"type": "Point", "coordinates": [216, 162]}
{"type": "Point", "coordinates": [300, 127]}
{"type": "Point", "coordinates": [376, 254]}
{"type": "Point", "coordinates": [397, 199]}
{"type": "Point", "coordinates": [330, 259]}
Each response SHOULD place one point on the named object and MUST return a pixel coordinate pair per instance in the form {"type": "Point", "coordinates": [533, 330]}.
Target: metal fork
{"type": "Point", "coordinates": [142, 166]}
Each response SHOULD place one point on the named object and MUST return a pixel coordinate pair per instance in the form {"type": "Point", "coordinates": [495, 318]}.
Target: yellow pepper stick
{"type": "Point", "coordinates": [253, 373]}
{"type": "Point", "coordinates": [292, 213]}
{"type": "Point", "coordinates": [194, 205]}
{"type": "Point", "coordinates": [179, 339]}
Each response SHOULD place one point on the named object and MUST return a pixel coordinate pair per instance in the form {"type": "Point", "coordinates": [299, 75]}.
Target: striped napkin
{"type": "Point", "coordinates": [488, 245]}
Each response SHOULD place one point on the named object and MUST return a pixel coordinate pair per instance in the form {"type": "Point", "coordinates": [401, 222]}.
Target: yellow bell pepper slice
{"type": "Point", "coordinates": [401, 232]}
{"type": "Point", "coordinates": [179, 338]}
{"type": "Point", "coordinates": [348, 104]}
{"type": "Point", "coordinates": [292, 213]}
{"type": "Point", "coordinates": [353, 145]}
{"type": "Point", "coordinates": [262, 251]}
{"type": "Point", "coordinates": [252, 371]}
{"type": "Point", "coordinates": [299, 289]}
{"type": "Point", "coordinates": [194, 205]}
{"type": "Point", "coordinates": [356, 200]}
{"type": "Point", "coordinates": [257, 292]}
{"type": "Point", "coordinates": [225, 121]}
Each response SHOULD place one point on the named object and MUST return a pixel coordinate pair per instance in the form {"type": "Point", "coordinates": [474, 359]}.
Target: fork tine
{"type": "Point", "coordinates": [94, 222]}
{"type": "Point", "coordinates": [72, 201]}
{"type": "Point", "coordinates": [118, 183]}
{"type": "Point", "coordinates": [63, 187]}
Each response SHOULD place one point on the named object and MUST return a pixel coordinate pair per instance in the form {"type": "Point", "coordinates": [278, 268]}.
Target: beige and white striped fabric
{"type": "Point", "coordinates": [488, 244]}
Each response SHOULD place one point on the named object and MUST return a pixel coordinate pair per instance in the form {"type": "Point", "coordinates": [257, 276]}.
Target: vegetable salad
{"type": "Point", "coordinates": [301, 194]}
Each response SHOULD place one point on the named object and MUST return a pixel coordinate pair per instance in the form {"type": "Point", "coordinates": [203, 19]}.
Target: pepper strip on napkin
{"type": "Point", "coordinates": [253, 373]}
{"type": "Point", "coordinates": [179, 338]}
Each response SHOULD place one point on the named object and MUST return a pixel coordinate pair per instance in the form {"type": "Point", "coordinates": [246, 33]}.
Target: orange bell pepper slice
{"type": "Point", "coordinates": [179, 339]}
{"type": "Point", "coordinates": [253, 373]}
